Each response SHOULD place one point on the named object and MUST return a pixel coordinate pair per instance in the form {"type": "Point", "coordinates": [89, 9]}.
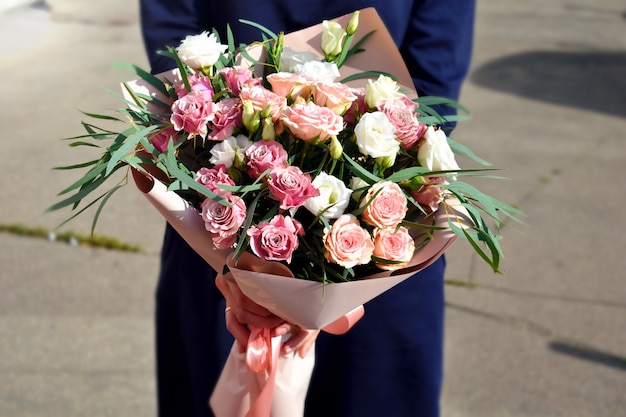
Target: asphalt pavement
{"type": "Point", "coordinates": [547, 91]}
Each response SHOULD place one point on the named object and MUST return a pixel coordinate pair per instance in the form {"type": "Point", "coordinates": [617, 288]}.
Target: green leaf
{"type": "Point", "coordinates": [107, 195]}
{"type": "Point", "coordinates": [437, 100]}
{"type": "Point", "coordinates": [493, 260]}
{"type": "Point", "coordinates": [89, 176]}
{"type": "Point", "coordinates": [407, 174]}
{"type": "Point", "coordinates": [172, 166]}
{"type": "Point", "coordinates": [366, 74]}
{"type": "Point", "coordinates": [361, 172]}
{"type": "Point", "coordinates": [246, 224]}
{"type": "Point", "coordinates": [146, 76]}
{"type": "Point", "coordinates": [347, 51]}
{"type": "Point", "coordinates": [77, 166]}
{"type": "Point", "coordinates": [435, 120]}
{"type": "Point", "coordinates": [182, 69]}
{"type": "Point", "coordinates": [262, 28]}
{"type": "Point", "coordinates": [462, 149]}
{"type": "Point", "coordinates": [81, 211]}
{"type": "Point", "coordinates": [82, 143]}
{"type": "Point", "coordinates": [101, 116]}
{"type": "Point", "coordinates": [76, 198]}
{"type": "Point", "coordinates": [137, 101]}
{"type": "Point", "coordinates": [130, 142]}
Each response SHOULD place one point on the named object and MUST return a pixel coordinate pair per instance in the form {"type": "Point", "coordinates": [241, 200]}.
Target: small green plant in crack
{"type": "Point", "coordinates": [460, 283]}
{"type": "Point", "coordinates": [69, 237]}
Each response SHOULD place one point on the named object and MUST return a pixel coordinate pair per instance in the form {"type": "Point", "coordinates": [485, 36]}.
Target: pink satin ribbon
{"type": "Point", "coordinates": [262, 355]}
{"type": "Point", "coordinates": [263, 352]}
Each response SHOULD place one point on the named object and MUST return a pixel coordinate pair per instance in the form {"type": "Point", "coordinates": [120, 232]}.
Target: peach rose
{"type": "Point", "coordinates": [393, 245]}
{"type": "Point", "coordinates": [288, 84]}
{"type": "Point", "coordinates": [386, 205]}
{"type": "Point", "coordinates": [347, 243]}
{"type": "Point", "coordinates": [311, 122]}
{"type": "Point", "coordinates": [261, 97]}
{"type": "Point", "coordinates": [336, 96]}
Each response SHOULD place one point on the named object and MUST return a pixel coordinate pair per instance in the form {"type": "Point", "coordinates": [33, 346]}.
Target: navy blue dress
{"type": "Point", "coordinates": [390, 363]}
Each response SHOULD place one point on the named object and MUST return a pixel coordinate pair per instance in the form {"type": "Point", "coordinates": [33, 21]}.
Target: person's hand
{"type": "Point", "coordinates": [241, 311]}
{"type": "Point", "coordinates": [301, 341]}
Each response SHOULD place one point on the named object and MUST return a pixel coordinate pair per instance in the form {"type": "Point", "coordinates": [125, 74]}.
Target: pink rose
{"type": "Point", "coordinates": [430, 195]}
{"type": "Point", "coordinates": [227, 118]}
{"type": "Point", "coordinates": [264, 155]}
{"type": "Point", "coordinates": [161, 138]}
{"type": "Point", "coordinates": [288, 84]}
{"type": "Point", "coordinates": [223, 221]}
{"type": "Point", "coordinates": [336, 96]}
{"type": "Point", "coordinates": [192, 113]}
{"type": "Point", "coordinates": [291, 187]}
{"type": "Point", "coordinates": [347, 243]}
{"type": "Point", "coordinates": [224, 242]}
{"type": "Point", "coordinates": [238, 77]}
{"type": "Point", "coordinates": [357, 108]}
{"type": "Point", "coordinates": [401, 114]}
{"type": "Point", "coordinates": [311, 122]}
{"type": "Point", "coordinates": [386, 205]}
{"type": "Point", "coordinates": [261, 97]}
{"type": "Point", "coordinates": [201, 84]}
{"type": "Point", "coordinates": [211, 177]}
{"type": "Point", "coordinates": [277, 239]}
{"type": "Point", "coordinates": [393, 245]}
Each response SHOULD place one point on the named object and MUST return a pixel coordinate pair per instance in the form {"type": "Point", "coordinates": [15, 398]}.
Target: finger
{"type": "Point", "coordinates": [238, 330]}
{"type": "Point", "coordinates": [302, 341]}
{"type": "Point", "coordinates": [307, 345]}
{"type": "Point", "coordinates": [237, 299]}
{"type": "Point", "coordinates": [245, 316]}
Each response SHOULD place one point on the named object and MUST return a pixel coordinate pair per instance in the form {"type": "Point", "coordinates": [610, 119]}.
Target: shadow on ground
{"type": "Point", "coordinates": [593, 80]}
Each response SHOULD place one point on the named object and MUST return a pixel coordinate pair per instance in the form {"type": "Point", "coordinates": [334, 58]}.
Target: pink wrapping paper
{"type": "Point", "coordinates": [314, 305]}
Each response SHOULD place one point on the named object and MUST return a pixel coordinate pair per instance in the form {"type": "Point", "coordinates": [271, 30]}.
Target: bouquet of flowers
{"type": "Point", "coordinates": [299, 153]}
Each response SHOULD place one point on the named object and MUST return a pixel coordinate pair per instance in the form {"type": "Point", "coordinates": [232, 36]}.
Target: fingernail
{"type": "Point", "coordinates": [288, 350]}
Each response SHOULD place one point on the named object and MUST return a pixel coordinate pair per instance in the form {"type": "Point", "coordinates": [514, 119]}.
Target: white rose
{"type": "Point", "coordinates": [376, 136]}
{"type": "Point", "coordinates": [200, 51]}
{"type": "Point", "coordinates": [334, 196]}
{"type": "Point", "coordinates": [384, 88]}
{"type": "Point", "coordinates": [308, 65]}
{"type": "Point", "coordinates": [320, 72]}
{"type": "Point", "coordinates": [332, 38]}
{"type": "Point", "coordinates": [290, 59]}
{"type": "Point", "coordinates": [226, 151]}
{"type": "Point", "coordinates": [434, 152]}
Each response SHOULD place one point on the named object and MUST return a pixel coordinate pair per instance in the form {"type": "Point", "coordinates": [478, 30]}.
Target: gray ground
{"type": "Point", "coordinates": [548, 95]}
